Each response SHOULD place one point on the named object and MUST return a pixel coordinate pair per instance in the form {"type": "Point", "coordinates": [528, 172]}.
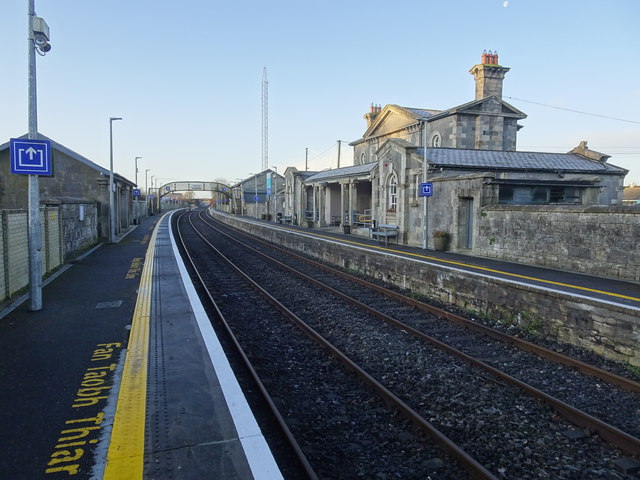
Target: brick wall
{"type": "Point", "coordinates": [596, 240]}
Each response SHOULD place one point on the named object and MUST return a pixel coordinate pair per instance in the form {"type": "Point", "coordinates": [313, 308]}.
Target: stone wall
{"type": "Point", "coordinates": [79, 227]}
{"type": "Point", "coordinates": [611, 330]}
{"type": "Point", "coordinates": [597, 240]}
{"type": "Point", "coordinates": [52, 241]}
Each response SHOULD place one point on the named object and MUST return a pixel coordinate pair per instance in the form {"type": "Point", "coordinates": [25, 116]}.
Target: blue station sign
{"type": "Point", "coordinates": [426, 189]}
{"type": "Point", "coordinates": [136, 192]}
{"type": "Point", "coordinates": [30, 157]}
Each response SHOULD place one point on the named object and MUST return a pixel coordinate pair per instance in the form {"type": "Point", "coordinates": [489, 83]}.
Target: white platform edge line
{"type": "Point", "coordinates": [259, 456]}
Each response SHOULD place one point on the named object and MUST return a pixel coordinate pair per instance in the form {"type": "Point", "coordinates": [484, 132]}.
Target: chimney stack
{"type": "Point", "coordinates": [370, 117]}
{"type": "Point", "coordinates": [489, 76]}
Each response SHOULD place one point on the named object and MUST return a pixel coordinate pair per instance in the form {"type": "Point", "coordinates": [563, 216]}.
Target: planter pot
{"type": "Point", "coordinates": [440, 243]}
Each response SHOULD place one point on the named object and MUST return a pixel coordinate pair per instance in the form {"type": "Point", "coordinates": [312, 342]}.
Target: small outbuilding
{"type": "Point", "coordinates": [79, 186]}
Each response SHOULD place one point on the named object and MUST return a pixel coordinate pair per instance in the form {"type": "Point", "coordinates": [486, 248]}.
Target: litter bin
{"type": "Point", "coordinates": [310, 223]}
{"type": "Point", "coordinates": [347, 229]}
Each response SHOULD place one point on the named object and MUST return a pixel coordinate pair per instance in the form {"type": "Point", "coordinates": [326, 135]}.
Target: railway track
{"type": "Point", "coordinates": [465, 385]}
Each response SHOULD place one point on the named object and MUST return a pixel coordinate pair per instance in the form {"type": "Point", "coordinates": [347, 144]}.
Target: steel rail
{"type": "Point", "coordinates": [583, 367]}
{"type": "Point", "coordinates": [471, 465]}
{"type": "Point", "coordinates": [613, 435]}
{"type": "Point", "coordinates": [306, 466]}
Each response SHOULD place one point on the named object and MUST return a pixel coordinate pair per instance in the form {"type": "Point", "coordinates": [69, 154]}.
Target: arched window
{"type": "Point", "coordinates": [393, 193]}
{"type": "Point", "coordinates": [436, 140]}
{"type": "Point", "coordinates": [363, 158]}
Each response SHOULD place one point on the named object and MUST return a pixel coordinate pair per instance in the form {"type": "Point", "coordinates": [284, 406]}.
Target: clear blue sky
{"type": "Point", "coordinates": [186, 76]}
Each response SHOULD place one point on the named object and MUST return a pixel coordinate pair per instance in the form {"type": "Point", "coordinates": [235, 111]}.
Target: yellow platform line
{"type": "Point", "coordinates": [471, 266]}
{"type": "Point", "coordinates": [126, 448]}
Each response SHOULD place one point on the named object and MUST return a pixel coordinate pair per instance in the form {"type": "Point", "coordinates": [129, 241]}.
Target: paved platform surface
{"type": "Point", "coordinates": [63, 370]}
{"type": "Point", "coordinates": [606, 290]}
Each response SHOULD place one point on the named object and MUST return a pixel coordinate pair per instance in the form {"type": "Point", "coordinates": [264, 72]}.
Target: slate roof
{"type": "Point", "coordinates": [510, 160]}
{"type": "Point", "coordinates": [343, 172]}
{"type": "Point", "coordinates": [421, 112]}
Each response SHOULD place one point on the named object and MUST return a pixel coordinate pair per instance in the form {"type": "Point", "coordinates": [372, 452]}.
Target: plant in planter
{"type": "Point", "coordinates": [440, 239]}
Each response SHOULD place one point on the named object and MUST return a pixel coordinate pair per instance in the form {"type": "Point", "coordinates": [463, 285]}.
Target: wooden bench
{"type": "Point", "coordinates": [385, 231]}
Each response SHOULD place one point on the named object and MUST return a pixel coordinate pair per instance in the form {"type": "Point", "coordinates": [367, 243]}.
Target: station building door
{"type": "Point", "coordinates": [465, 222]}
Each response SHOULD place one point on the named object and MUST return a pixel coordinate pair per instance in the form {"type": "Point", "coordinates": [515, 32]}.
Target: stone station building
{"type": "Point", "coordinates": [472, 163]}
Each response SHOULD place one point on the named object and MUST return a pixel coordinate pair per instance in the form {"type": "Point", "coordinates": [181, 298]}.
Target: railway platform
{"type": "Point", "coordinates": [120, 375]}
{"type": "Point", "coordinates": [601, 289]}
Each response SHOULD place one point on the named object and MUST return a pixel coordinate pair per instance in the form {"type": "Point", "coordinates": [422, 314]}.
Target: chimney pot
{"type": "Point", "coordinates": [484, 56]}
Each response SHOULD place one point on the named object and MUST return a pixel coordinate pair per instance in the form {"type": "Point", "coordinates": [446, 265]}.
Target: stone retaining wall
{"type": "Point", "coordinates": [613, 331]}
{"type": "Point", "coordinates": [597, 240]}
{"type": "Point", "coordinates": [79, 227]}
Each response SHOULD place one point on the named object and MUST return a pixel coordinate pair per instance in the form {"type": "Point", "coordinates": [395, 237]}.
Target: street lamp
{"type": "Point", "coordinates": [240, 181]}
{"type": "Point", "coordinates": [137, 198]}
{"type": "Point", "coordinates": [112, 202]}
{"type": "Point", "coordinates": [146, 191]}
{"type": "Point", "coordinates": [255, 198]}
{"type": "Point", "coordinates": [151, 190]}
{"type": "Point", "coordinates": [275, 194]}
{"type": "Point", "coordinates": [137, 170]}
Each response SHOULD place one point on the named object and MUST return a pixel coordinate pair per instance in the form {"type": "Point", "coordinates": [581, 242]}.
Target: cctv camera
{"type": "Point", "coordinates": [40, 39]}
{"type": "Point", "coordinates": [41, 42]}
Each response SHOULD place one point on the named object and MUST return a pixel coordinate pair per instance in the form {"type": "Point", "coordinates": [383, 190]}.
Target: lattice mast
{"type": "Point", "coordinates": [265, 120]}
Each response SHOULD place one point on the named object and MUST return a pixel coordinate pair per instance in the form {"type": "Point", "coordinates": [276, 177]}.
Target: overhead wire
{"type": "Point", "coordinates": [574, 111]}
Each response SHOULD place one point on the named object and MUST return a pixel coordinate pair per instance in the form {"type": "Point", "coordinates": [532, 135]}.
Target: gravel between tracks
{"type": "Point", "coordinates": [529, 444]}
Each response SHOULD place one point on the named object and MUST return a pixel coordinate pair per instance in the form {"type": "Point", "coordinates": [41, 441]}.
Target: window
{"type": "Point", "coordinates": [538, 195]}
{"type": "Point", "coordinates": [436, 140]}
{"type": "Point", "coordinates": [393, 193]}
{"type": "Point", "coordinates": [363, 158]}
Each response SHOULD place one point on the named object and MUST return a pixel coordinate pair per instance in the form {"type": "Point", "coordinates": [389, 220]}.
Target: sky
{"type": "Point", "coordinates": [186, 76]}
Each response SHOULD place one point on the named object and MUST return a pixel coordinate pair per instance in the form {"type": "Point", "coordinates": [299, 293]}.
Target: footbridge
{"type": "Point", "coordinates": [221, 193]}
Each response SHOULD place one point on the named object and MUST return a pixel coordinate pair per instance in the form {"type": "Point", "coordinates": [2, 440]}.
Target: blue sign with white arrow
{"type": "Point", "coordinates": [426, 189]}
{"type": "Point", "coordinates": [30, 157]}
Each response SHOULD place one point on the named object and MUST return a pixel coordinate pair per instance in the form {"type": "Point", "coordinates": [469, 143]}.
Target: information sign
{"type": "Point", "coordinates": [30, 157]}
{"type": "Point", "coordinates": [136, 192]}
{"type": "Point", "coordinates": [426, 189]}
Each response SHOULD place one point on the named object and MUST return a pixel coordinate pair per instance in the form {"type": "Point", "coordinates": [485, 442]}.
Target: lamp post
{"type": "Point", "coordinates": [146, 191]}
{"type": "Point", "coordinates": [240, 180]}
{"type": "Point", "coordinates": [150, 199]}
{"type": "Point", "coordinates": [137, 198]}
{"type": "Point", "coordinates": [275, 194]}
{"type": "Point", "coordinates": [112, 202]}
{"type": "Point", "coordinates": [38, 39]}
{"type": "Point", "coordinates": [255, 198]}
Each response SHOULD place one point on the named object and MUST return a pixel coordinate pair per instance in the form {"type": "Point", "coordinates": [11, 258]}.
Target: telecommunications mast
{"type": "Point", "coordinates": [265, 120]}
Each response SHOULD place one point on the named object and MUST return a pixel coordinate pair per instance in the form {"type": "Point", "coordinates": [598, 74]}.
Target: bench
{"type": "Point", "coordinates": [385, 231]}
